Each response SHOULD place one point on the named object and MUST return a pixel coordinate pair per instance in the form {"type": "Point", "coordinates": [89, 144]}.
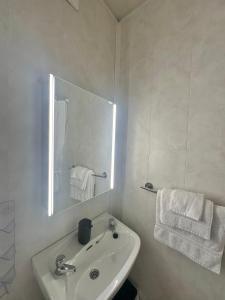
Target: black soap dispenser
{"type": "Point", "coordinates": [84, 231]}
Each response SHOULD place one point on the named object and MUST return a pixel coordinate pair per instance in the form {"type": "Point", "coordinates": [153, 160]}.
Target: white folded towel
{"type": "Point", "coordinates": [84, 195]}
{"type": "Point", "coordinates": [187, 204]}
{"type": "Point", "coordinates": [79, 177]}
{"type": "Point", "coordinates": [207, 253]}
{"type": "Point", "coordinates": [168, 217]}
{"type": "Point", "coordinates": [82, 184]}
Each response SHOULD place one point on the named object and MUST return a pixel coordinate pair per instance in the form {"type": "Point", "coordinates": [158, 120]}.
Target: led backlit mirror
{"type": "Point", "coordinates": [81, 154]}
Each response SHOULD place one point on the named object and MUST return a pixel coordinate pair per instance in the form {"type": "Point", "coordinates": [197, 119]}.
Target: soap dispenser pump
{"type": "Point", "coordinates": [84, 231]}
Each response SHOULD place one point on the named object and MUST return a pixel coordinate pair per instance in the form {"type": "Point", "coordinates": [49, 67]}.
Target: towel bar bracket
{"type": "Point", "coordinates": [149, 187]}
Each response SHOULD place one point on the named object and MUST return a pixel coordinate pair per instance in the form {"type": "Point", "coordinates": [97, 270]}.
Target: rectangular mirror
{"type": "Point", "coordinates": [81, 156]}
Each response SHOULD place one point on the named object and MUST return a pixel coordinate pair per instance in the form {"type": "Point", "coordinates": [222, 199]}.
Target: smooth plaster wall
{"type": "Point", "coordinates": [173, 77]}
{"type": "Point", "coordinates": [45, 36]}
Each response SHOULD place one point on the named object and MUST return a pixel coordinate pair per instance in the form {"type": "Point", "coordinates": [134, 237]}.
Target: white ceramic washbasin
{"type": "Point", "coordinates": [112, 258]}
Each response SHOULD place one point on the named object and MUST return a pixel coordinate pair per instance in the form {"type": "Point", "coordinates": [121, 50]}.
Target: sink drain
{"type": "Point", "coordinates": [94, 274]}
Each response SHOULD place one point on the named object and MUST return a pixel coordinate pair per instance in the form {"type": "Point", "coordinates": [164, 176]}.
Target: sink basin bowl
{"type": "Point", "coordinates": [101, 266]}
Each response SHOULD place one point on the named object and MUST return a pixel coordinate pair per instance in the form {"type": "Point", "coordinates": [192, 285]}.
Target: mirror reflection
{"type": "Point", "coordinates": [84, 138]}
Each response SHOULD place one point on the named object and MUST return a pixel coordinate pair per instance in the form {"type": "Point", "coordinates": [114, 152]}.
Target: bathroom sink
{"type": "Point", "coordinates": [101, 266]}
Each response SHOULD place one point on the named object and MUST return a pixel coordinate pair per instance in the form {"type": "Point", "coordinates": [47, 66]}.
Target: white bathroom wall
{"type": "Point", "coordinates": [4, 39]}
{"type": "Point", "coordinates": [45, 36]}
{"type": "Point", "coordinates": [173, 77]}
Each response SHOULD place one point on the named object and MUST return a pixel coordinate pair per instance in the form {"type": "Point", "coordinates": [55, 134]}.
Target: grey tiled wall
{"type": "Point", "coordinates": [173, 70]}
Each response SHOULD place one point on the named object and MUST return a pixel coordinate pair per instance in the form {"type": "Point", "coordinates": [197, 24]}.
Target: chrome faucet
{"type": "Point", "coordinates": [112, 225]}
{"type": "Point", "coordinates": [63, 268]}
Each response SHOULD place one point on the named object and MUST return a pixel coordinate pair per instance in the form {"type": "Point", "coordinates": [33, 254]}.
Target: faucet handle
{"type": "Point", "coordinates": [112, 223]}
{"type": "Point", "coordinates": [60, 260]}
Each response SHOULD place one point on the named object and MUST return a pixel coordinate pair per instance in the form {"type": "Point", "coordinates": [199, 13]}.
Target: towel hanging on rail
{"type": "Point", "coordinates": [200, 228]}
{"type": "Point", "coordinates": [82, 183]}
{"type": "Point", "coordinates": [207, 253]}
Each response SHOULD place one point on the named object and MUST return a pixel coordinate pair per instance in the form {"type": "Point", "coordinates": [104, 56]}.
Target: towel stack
{"type": "Point", "coordinates": [191, 225]}
{"type": "Point", "coordinates": [82, 183]}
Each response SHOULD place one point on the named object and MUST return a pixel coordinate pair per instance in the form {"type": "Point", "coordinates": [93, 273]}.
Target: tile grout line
{"type": "Point", "coordinates": [188, 113]}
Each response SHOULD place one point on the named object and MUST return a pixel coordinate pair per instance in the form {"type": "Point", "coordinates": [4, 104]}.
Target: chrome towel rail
{"type": "Point", "coordinates": [103, 175]}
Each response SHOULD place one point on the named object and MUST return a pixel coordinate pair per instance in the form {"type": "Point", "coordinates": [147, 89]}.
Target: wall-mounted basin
{"type": "Point", "coordinates": [101, 266]}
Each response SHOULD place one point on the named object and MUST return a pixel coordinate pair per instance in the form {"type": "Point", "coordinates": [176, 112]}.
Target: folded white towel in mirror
{"type": "Point", "coordinates": [82, 183]}
{"type": "Point", "coordinates": [207, 253]}
{"type": "Point", "coordinates": [79, 177]}
{"type": "Point", "coordinates": [168, 217]}
{"type": "Point", "coordinates": [84, 195]}
{"type": "Point", "coordinates": [187, 204]}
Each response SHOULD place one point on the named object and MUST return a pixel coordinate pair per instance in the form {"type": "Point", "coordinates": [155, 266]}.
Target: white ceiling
{"type": "Point", "coordinates": [121, 8]}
